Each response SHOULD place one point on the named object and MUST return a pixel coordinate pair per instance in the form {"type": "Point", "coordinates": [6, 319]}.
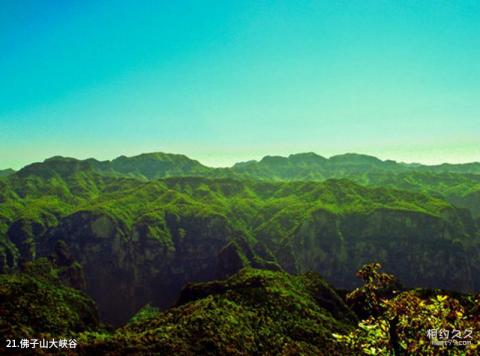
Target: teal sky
{"type": "Point", "coordinates": [225, 81]}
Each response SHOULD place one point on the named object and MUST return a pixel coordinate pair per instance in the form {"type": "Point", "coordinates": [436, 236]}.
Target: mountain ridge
{"type": "Point", "coordinates": [458, 183]}
{"type": "Point", "coordinates": [301, 156]}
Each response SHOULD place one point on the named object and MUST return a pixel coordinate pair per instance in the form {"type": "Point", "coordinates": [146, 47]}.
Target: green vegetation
{"type": "Point", "coordinates": [132, 232]}
{"type": "Point", "coordinates": [36, 304]}
{"type": "Point", "coordinates": [252, 312]}
{"type": "Point", "coordinates": [126, 228]}
{"type": "Point", "coordinates": [397, 322]}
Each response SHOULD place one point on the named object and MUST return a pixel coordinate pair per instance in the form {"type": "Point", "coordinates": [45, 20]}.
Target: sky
{"type": "Point", "coordinates": [228, 81]}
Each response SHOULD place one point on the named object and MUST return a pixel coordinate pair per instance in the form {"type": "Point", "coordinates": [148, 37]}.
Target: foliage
{"type": "Point", "coordinates": [409, 322]}
{"type": "Point", "coordinates": [252, 312]}
{"type": "Point", "coordinates": [34, 303]}
{"type": "Point", "coordinates": [167, 216]}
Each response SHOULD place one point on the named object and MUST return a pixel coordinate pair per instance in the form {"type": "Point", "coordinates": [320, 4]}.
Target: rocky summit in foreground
{"type": "Point", "coordinates": [254, 312]}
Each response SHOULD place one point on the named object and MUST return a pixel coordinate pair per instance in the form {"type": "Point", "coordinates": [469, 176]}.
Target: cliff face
{"type": "Point", "coordinates": [127, 268]}
{"type": "Point", "coordinates": [470, 201]}
{"type": "Point", "coordinates": [22, 233]}
{"type": "Point", "coordinates": [418, 248]}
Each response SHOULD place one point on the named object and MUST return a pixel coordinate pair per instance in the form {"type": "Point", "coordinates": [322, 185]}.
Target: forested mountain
{"type": "Point", "coordinates": [300, 166]}
{"type": "Point", "coordinates": [142, 227]}
{"type": "Point", "coordinates": [312, 166]}
{"type": "Point", "coordinates": [457, 183]}
{"type": "Point", "coordinates": [134, 231]}
{"type": "Point", "coordinates": [254, 311]}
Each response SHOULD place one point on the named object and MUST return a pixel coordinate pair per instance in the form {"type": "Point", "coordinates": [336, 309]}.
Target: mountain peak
{"type": "Point", "coordinates": [274, 160]}
{"type": "Point", "coordinates": [307, 157]}
{"type": "Point", "coordinates": [157, 165]}
{"type": "Point", "coordinates": [63, 166]}
{"type": "Point", "coordinates": [154, 156]}
{"type": "Point", "coordinates": [355, 158]}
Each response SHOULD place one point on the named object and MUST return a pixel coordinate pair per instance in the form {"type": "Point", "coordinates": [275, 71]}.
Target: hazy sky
{"type": "Point", "coordinates": [224, 81]}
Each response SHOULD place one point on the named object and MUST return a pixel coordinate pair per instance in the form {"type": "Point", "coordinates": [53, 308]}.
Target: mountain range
{"type": "Point", "coordinates": [458, 183]}
{"type": "Point", "coordinates": [142, 227]}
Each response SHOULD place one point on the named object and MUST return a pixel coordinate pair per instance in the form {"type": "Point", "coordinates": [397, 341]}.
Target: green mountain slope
{"type": "Point", "coordinates": [254, 312]}
{"type": "Point", "coordinates": [312, 166]}
{"type": "Point", "coordinates": [36, 304]}
{"type": "Point", "coordinates": [141, 240]}
{"type": "Point", "coordinates": [458, 183]}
